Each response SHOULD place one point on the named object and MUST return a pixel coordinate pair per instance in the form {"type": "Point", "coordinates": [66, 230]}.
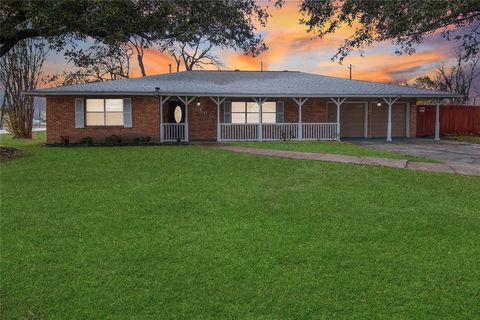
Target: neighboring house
{"type": "Point", "coordinates": [233, 106]}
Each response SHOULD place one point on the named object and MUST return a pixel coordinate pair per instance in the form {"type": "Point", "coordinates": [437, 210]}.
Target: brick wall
{"type": "Point", "coordinates": [146, 118]}
{"type": "Point", "coordinates": [61, 121]}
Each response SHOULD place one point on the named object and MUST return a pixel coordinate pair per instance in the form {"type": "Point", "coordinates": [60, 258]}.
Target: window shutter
{"type": "Point", "coordinates": [79, 113]}
{"type": "Point", "coordinates": [127, 113]}
{"type": "Point", "coordinates": [227, 112]}
{"type": "Point", "coordinates": [280, 111]}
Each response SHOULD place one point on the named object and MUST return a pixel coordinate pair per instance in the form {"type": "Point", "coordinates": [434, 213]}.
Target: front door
{"type": "Point", "coordinates": [176, 112]}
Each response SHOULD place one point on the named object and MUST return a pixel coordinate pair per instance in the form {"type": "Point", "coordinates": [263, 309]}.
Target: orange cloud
{"type": "Point", "coordinates": [382, 68]}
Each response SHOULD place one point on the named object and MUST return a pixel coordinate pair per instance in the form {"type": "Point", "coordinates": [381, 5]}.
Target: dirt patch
{"type": "Point", "coordinates": [7, 153]}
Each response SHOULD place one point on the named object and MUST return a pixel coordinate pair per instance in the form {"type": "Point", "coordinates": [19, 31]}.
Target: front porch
{"type": "Point", "coordinates": [228, 119]}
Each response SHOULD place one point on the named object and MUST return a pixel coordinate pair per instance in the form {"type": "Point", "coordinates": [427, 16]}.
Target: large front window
{"type": "Point", "coordinates": [249, 112]}
{"type": "Point", "coordinates": [104, 112]}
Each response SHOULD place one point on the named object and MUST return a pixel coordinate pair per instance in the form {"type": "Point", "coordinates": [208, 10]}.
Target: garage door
{"type": "Point", "coordinates": [352, 117]}
{"type": "Point", "coordinates": [380, 116]}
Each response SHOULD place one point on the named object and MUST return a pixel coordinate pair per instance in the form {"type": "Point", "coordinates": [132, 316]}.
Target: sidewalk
{"type": "Point", "coordinates": [449, 167]}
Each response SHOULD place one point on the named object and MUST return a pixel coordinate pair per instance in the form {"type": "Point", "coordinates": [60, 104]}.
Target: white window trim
{"type": "Point", "coordinates": [104, 113]}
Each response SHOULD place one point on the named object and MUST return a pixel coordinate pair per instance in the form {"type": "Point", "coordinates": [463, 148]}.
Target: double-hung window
{"type": "Point", "coordinates": [104, 112]}
{"type": "Point", "coordinates": [249, 112]}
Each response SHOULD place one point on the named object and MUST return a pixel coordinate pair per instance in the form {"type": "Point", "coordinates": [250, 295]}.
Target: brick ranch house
{"type": "Point", "coordinates": [234, 106]}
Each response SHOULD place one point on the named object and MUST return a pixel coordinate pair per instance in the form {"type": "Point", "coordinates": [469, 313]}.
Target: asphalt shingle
{"type": "Point", "coordinates": [242, 84]}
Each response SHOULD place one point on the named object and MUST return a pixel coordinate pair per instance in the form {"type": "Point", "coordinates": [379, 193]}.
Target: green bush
{"type": "Point", "coordinates": [113, 140]}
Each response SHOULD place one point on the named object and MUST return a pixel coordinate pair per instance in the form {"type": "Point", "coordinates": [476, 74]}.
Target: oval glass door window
{"type": "Point", "coordinates": [177, 114]}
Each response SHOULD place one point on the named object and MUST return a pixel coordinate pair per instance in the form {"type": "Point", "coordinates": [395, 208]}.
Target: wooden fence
{"type": "Point", "coordinates": [453, 120]}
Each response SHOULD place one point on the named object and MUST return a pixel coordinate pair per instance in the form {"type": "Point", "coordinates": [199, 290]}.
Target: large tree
{"type": "Point", "coordinates": [458, 77]}
{"type": "Point", "coordinates": [98, 63]}
{"type": "Point", "coordinates": [20, 71]}
{"type": "Point", "coordinates": [141, 23]}
{"type": "Point", "coordinates": [406, 23]}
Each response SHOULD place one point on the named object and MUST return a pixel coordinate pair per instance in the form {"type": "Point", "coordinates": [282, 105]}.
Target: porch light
{"type": "Point", "coordinates": [198, 102]}
{"type": "Point", "coordinates": [379, 103]}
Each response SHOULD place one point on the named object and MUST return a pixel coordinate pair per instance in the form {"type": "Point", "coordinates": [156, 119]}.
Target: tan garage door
{"type": "Point", "coordinates": [352, 120]}
{"type": "Point", "coordinates": [379, 120]}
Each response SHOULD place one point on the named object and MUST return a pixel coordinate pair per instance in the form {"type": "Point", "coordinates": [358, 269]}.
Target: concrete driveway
{"type": "Point", "coordinates": [444, 150]}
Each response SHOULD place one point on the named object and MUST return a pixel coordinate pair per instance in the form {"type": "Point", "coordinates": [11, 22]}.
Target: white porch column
{"type": "Point", "coordinates": [161, 119]}
{"type": "Point", "coordinates": [365, 120]}
{"type": "Point", "coordinates": [218, 101]}
{"type": "Point", "coordinates": [186, 102]}
{"type": "Point", "coordinates": [407, 123]}
{"type": "Point", "coordinates": [186, 118]}
{"type": "Point", "coordinates": [300, 102]}
{"type": "Point", "coordinates": [389, 101]}
{"type": "Point", "coordinates": [260, 102]}
{"type": "Point", "coordinates": [162, 101]}
{"type": "Point", "coordinates": [338, 102]}
{"type": "Point", "coordinates": [437, 119]}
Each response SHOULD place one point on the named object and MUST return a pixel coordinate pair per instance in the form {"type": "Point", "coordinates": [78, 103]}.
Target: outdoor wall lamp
{"type": "Point", "coordinates": [198, 102]}
{"type": "Point", "coordinates": [379, 103]}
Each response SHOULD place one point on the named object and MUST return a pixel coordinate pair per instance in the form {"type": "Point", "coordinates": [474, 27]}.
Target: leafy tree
{"type": "Point", "coordinates": [140, 23]}
{"type": "Point", "coordinates": [406, 23]}
{"type": "Point", "coordinates": [62, 21]}
{"type": "Point", "coordinates": [20, 71]}
{"type": "Point", "coordinates": [98, 63]}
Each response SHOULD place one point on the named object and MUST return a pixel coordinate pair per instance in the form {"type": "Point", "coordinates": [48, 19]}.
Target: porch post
{"type": "Point", "coordinates": [186, 118]}
{"type": "Point", "coordinates": [407, 123]}
{"type": "Point", "coordinates": [260, 120]}
{"type": "Point", "coordinates": [186, 102]}
{"type": "Point", "coordinates": [338, 102]}
{"type": "Point", "coordinates": [300, 102]}
{"type": "Point", "coordinates": [161, 119]}
{"type": "Point", "coordinates": [260, 102]}
{"type": "Point", "coordinates": [390, 101]}
{"type": "Point", "coordinates": [162, 101]}
{"type": "Point", "coordinates": [437, 119]}
{"type": "Point", "coordinates": [218, 101]}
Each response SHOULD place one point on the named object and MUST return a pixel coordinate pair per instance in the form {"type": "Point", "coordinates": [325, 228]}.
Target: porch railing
{"type": "Point", "coordinates": [174, 132]}
{"type": "Point", "coordinates": [280, 131]}
{"type": "Point", "coordinates": [277, 131]}
{"type": "Point", "coordinates": [238, 132]}
{"type": "Point", "coordinates": [319, 131]}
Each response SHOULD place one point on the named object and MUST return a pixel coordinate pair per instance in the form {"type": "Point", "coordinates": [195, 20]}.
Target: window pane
{"type": "Point", "coordinates": [269, 106]}
{"type": "Point", "coordinates": [238, 106]}
{"type": "Point", "coordinates": [95, 105]}
{"type": "Point", "coordinates": [269, 117]}
{"type": "Point", "coordinates": [238, 117]}
{"type": "Point", "coordinates": [114, 105]}
{"type": "Point", "coordinates": [252, 107]}
{"type": "Point", "coordinates": [114, 118]}
{"type": "Point", "coordinates": [253, 118]}
{"type": "Point", "coordinates": [95, 119]}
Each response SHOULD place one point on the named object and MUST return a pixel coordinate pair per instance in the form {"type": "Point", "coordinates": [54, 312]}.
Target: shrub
{"type": "Point", "coordinates": [65, 140]}
{"type": "Point", "coordinates": [142, 140]}
{"type": "Point", "coordinates": [86, 141]}
{"type": "Point", "coordinates": [113, 139]}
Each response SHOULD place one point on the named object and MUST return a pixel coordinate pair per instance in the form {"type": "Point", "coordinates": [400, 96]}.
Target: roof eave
{"type": "Point", "coordinates": [42, 93]}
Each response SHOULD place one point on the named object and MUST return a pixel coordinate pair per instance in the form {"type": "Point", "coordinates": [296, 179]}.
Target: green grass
{"type": "Point", "coordinates": [334, 147]}
{"type": "Point", "coordinates": [471, 139]}
{"type": "Point", "coordinates": [190, 232]}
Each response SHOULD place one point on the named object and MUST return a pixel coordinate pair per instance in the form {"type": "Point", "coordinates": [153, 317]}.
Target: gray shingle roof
{"type": "Point", "coordinates": [242, 84]}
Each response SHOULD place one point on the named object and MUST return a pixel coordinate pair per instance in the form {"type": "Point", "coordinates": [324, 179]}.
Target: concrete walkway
{"type": "Point", "coordinates": [451, 167]}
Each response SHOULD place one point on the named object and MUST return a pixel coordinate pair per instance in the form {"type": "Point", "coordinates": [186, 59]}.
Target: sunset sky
{"type": "Point", "coordinates": [292, 48]}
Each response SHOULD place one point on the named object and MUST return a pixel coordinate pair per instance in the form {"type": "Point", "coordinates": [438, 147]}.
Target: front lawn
{"type": "Point", "coordinates": [181, 232]}
{"type": "Point", "coordinates": [334, 147]}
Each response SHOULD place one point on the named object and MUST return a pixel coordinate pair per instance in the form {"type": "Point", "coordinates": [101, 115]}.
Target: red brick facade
{"type": "Point", "coordinates": [146, 118]}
